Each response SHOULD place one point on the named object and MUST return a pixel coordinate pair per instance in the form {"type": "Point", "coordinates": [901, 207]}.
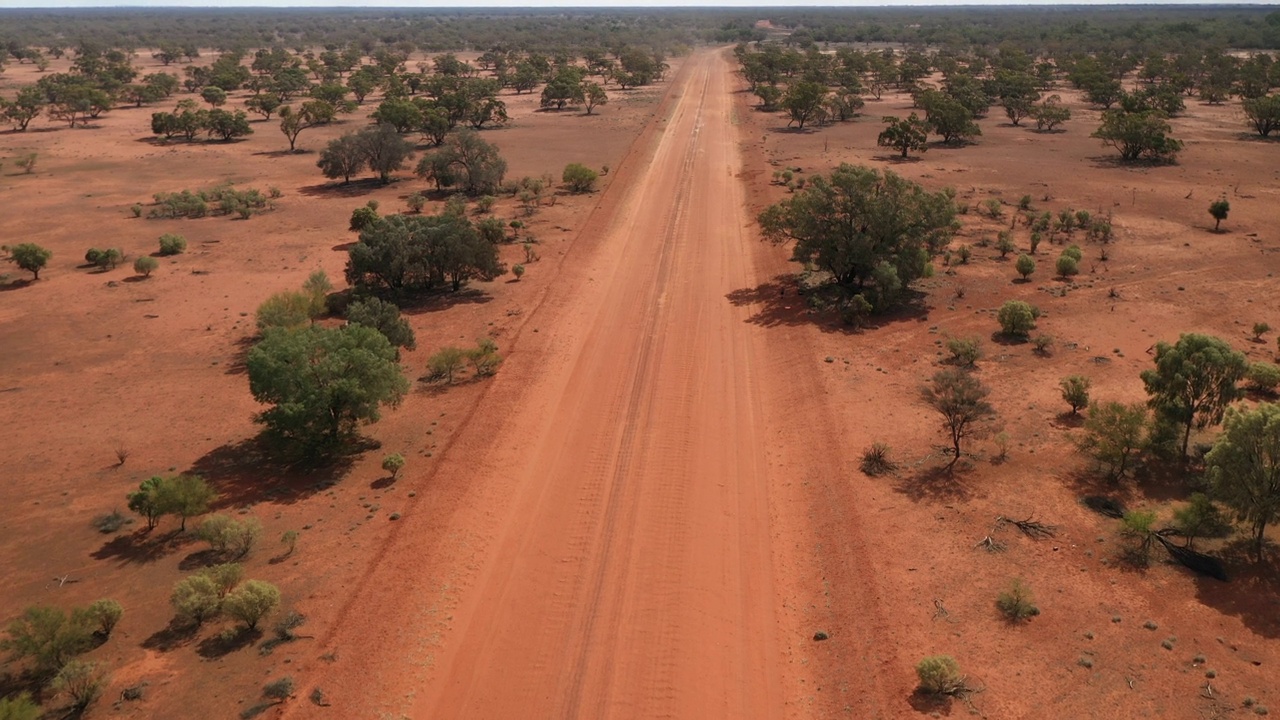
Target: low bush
{"type": "Point", "coordinates": [1017, 318]}
{"type": "Point", "coordinates": [171, 244]}
{"type": "Point", "coordinates": [940, 675]}
{"type": "Point", "coordinates": [1015, 603]}
{"type": "Point", "coordinates": [965, 352]}
{"type": "Point", "coordinates": [876, 460]}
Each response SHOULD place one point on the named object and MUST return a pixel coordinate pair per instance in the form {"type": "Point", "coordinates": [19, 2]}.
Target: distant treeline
{"type": "Point", "coordinates": [1039, 30]}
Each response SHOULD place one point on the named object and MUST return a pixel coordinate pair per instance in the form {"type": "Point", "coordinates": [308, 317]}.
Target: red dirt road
{"type": "Point", "coordinates": [630, 571]}
{"type": "Point", "coordinates": [635, 576]}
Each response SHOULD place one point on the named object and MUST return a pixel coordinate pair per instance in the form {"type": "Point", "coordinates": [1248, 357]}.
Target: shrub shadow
{"type": "Point", "coordinates": [174, 635]}
{"type": "Point", "coordinates": [215, 646]}
{"type": "Point", "coordinates": [930, 704]}
{"type": "Point", "coordinates": [139, 547]}
{"type": "Point", "coordinates": [199, 560]}
{"type": "Point", "coordinates": [258, 469]}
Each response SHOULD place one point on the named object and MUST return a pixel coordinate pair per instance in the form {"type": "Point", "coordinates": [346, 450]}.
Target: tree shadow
{"type": "Point", "coordinates": [382, 483]}
{"type": "Point", "coordinates": [935, 484]}
{"type": "Point", "coordinates": [257, 469]}
{"type": "Point", "coordinates": [199, 560]}
{"type": "Point", "coordinates": [1250, 596]}
{"type": "Point", "coordinates": [1255, 137]}
{"type": "Point", "coordinates": [429, 302]}
{"type": "Point", "coordinates": [240, 356]}
{"type": "Point", "coordinates": [172, 636]}
{"type": "Point", "coordinates": [1004, 339]}
{"type": "Point", "coordinates": [283, 153]}
{"type": "Point", "coordinates": [139, 547]}
{"type": "Point", "coordinates": [782, 301]}
{"type": "Point", "coordinates": [897, 159]}
{"type": "Point", "coordinates": [355, 188]}
{"type": "Point", "coordinates": [216, 646]}
{"type": "Point", "coordinates": [1117, 162]}
{"type": "Point", "coordinates": [17, 284]}
{"type": "Point", "coordinates": [1067, 420]}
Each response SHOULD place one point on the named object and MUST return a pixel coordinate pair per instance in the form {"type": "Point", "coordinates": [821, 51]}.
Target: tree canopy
{"type": "Point", "coordinates": [322, 382]}
{"type": "Point", "coordinates": [871, 231]}
{"type": "Point", "coordinates": [1193, 381]}
{"type": "Point", "coordinates": [1244, 467]}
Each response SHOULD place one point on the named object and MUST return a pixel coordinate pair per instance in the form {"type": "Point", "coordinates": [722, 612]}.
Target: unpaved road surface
{"type": "Point", "coordinates": [634, 579]}
{"type": "Point", "coordinates": [628, 569]}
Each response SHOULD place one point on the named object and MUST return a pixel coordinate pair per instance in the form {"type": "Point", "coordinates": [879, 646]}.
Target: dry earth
{"type": "Point", "coordinates": [656, 503]}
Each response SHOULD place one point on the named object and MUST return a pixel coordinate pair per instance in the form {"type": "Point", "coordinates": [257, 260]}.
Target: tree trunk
{"type": "Point", "coordinates": [1259, 537]}
{"type": "Point", "coordinates": [1186, 437]}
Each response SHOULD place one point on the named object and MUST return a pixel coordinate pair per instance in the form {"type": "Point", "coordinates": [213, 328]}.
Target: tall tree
{"type": "Point", "coordinates": [1193, 381]}
{"type": "Point", "coordinates": [321, 382]}
{"type": "Point", "coordinates": [868, 230]}
{"type": "Point", "coordinates": [1244, 467]}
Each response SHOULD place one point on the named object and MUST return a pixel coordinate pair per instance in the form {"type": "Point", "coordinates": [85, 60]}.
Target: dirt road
{"type": "Point", "coordinates": [627, 569]}
{"type": "Point", "coordinates": [635, 576]}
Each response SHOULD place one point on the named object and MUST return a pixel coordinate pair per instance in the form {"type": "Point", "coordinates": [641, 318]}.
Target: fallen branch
{"type": "Point", "coordinates": [1033, 528]}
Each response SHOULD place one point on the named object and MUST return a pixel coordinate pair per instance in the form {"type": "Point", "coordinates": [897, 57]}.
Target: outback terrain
{"type": "Point", "coordinates": [656, 507]}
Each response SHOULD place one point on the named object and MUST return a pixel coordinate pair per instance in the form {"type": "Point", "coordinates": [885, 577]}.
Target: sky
{"type": "Point", "coordinates": [586, 3]}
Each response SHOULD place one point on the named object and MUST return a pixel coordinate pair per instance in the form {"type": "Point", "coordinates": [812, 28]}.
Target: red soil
{"type": "Point", "coordinates": [656, 503]}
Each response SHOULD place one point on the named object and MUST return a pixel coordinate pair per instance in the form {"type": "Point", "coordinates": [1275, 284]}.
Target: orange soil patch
{"type": "Point", "coordinates": [656, 503]}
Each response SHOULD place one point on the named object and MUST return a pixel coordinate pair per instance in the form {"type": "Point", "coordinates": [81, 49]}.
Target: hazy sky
{"type": "Point", "coordinates": [580, 3]}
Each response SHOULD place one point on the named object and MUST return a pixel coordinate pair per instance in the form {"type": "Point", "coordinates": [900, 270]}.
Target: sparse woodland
{"type": "Point", "coordinates": [419, 101]}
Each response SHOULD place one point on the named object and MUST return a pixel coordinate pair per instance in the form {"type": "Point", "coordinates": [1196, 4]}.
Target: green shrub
{"type": "Point", "coordinates": [1067, 266]}
{"type": "Point", "coordinates": [940, 675]}
{"type": "Point", "coordinates": [229, 537]}
{"type": "Point", "coordinates": [278, 690]}
{"type": "Point", "coordinates": [251, 602]}
{"type": "Point", "coordinates": [1016, 603]}
{"type": "Point", "coordinates": [876, 460]}
{"type": "Point", "coordinates": [484, 357]}
{"type": "Point", "coordinates": [446, 363]}
{"type": "Point", "coordinates": [144, 265]}
{"type": "Point", "coordinates": [171, 244]}
{"type": "Point", "coordinates": [393, 463]}
{"type": "Point", "coordinates": [1074, 251]}
{"type": "Point", "coordinates": [196, 599]}
{"type": "Point", "coordinates": [579, 178]}
{"type": "Point", "coordinates": [104, 614]}
{"type": "Point", "coordinates": [1005, 245]}
{"type": "Point", "coordinates": [965, 352]}
{"type": "Point", "coordinates": [1025, 265]}
{"type": "Point", "coordinates": [287, 309]}
{"type": "Point", "coordinates": [1017, 318]}
{"type": "Point", "coordinates": [81, 682]}
{"type": "Point", "coordinates": [1260, 329]}
{"type": "Point", "coordinates": [994, 208]}
{"type": "Point", "coordinates": [1136, 527]}
{"type": "Point", "coordinates": [1263, 376]}
{"type": "Point", "coordinates": [416, 202]}
{"type": "Point", "coordinates": [48, 637]}
{"type": "Point", "coordinates": [518, 271]}
{"type": "Point", "coordinates": [1075, 391]}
